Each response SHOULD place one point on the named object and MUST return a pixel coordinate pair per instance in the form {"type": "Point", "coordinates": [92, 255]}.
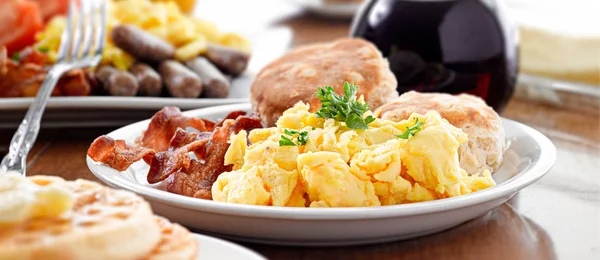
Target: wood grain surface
{"type": "Point", "coordinates": [558, 217]}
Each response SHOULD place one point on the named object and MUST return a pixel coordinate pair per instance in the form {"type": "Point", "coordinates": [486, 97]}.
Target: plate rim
{"type": "Point", "coordinates": [115, 102]}
{"type": "Point", "coordinates": [519, 181]}
{"type": "Point", "coordinates": [250, 253]}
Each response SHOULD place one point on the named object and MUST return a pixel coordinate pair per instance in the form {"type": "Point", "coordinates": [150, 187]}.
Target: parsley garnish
{"type": "Point", "coordinates": [343, 108]}
{"type": "Point", "coordinates": [302, 138]}
{"type": "Point", "coordinates": [16, 56]}
{"type": "Point", "coordinates": [285, 141]}
{"type": "Point", "coordinates": [411, 130]}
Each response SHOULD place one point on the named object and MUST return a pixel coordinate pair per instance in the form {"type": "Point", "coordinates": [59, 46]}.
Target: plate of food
{"type": "Point", "coordinates": [315, 165]}
{"type": "Point", "coordinates": [163, 57]}
{"type": "Point", "coordinates": [47, 217]}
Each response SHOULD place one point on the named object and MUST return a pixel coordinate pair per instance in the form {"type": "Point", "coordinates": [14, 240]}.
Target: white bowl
{"type": "Point", "coordinates": [529, 156]}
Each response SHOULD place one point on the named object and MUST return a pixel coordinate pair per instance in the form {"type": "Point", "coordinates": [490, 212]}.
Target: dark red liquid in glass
{"type": "Point", "coordinates": [452, 46]}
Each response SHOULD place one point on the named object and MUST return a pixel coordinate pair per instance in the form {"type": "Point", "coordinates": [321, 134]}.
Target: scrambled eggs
{"type": "Point", "coordinates": [164, 19]}
{"type": "Point", "coordinates": [343, 167]}
{"type": "Point", "coordinates": [21, 199]}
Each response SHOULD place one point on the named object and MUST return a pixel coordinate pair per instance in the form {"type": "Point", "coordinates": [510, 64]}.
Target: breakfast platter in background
{"type": "Point", "coordinates": [236, 57]}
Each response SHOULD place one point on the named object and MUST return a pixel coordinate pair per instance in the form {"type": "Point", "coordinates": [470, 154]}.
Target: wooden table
{"type": "Point", "coordinates": [558, 217]}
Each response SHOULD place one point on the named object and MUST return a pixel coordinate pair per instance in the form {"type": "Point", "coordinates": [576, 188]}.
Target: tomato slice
{"type": "Point", "coordinates": [51, 8]}
{"type": "Point", "coordinates": [19, 22]}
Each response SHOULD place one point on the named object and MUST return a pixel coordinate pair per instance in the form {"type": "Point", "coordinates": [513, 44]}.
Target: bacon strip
{"type": "Point", "coordinates": [116, 153]}
{"type": "Point", "coordinates": [23, 78]}
{"type": "Point", "coordinates": [166, 147]}
{"type": "Point", "coordinates": [176, 157]}
{"type": "Point", "coordinates": [197, 179]}
{"type": "Point", "coordinates": [165, 123]}
{"type": "Point", "coordinates": [233, 115]}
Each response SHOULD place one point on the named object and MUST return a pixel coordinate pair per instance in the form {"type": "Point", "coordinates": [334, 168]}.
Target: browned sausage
{"type": "Point", "coordinates": [215, 83]}
{"type": "Point", "coordinates": [149, 80]}
{"type": "Point", "coordinates": [104, 72]}
{"type": "Point", "coordinates": [117, 82]}
{"type": "Point", "coordinates": [180, 81]}
{"type": "Point", "coordinates": [228, 60]}
{"type": "Point", "coordinates": [141, 44]}
{"type": "Point", "coordinates": [94, 82]}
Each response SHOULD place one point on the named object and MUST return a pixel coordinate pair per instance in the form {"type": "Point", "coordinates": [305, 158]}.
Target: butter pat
{"type": "Point", "coordinates": [21, 199]}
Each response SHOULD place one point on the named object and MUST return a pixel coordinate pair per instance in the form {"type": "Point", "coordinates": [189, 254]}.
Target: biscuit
{"type": "Point", "coordinates": [297, 75]}
{"type": "Point", "coordinates": [486, 138]}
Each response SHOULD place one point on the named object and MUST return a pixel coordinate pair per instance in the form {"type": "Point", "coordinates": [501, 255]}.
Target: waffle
{"type": "Point", "coordinates": [176, 243]}
{"type": "Point", "coordinates": [103, 224]}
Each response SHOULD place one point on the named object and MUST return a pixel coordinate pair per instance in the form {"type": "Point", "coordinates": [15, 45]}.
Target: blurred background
{"type": "Point", "coordinates": [541, 50]}
{"type": "Point", "coordinates": [558, 41]}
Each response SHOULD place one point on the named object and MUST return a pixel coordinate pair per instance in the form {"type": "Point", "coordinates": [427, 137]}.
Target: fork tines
{"type": "Point", "coordinates": [82, 44]}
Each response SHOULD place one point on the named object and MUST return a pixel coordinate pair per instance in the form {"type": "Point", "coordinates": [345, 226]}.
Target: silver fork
{"type": "Point", "coordinates": [81, 46]}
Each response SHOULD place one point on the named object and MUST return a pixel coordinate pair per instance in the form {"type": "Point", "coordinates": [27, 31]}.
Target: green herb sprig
{"type": "Point", "coordinates": [302, 138]}
{"type": "Point", "coordinates": [16, 56]}
{"type": "Point", "coordinates": [411, 131]}
{"type": "Point", "coordinates": [343, 108]}
{"type": "Point", "coordinates": [43, 49]}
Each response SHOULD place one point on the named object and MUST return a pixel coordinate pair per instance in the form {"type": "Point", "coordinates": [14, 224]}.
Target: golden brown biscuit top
{"type": "Point", "coordinates": [297, 75]}
{"type": "Point", "coordinates": [459, 110]}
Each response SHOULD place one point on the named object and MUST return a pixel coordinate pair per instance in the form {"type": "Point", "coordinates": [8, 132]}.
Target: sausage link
{"type": "Point", "coordinates": [149, 80]}
{"type": "Point", "coordinates": [215, 83]}
{"type": "Point", "coordinates": [180, 81]}
{"type": "Point", "coordinates": [141, 44]}
{"type": "Point", "coordinates": [103, 73]}
{"type": "Point", "coordinates": [117, 82]}
{"type": "Point", "coordinates": [228, 60]}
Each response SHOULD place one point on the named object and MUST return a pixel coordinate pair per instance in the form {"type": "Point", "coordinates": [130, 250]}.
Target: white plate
{"type": "Point", "coordinates": [530, 155]}
{"type": "Point", "coordinates": [214, 248]}
{"type": "Point", "coordinates": [267, 45]}
{"type": "Point", "coordinates": [330, 10]}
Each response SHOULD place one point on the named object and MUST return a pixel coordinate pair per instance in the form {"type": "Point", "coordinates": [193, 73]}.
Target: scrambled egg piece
{"type": "Point", "coordinates": [21, 199]}
{"type": "Point", "coordinates": [272, 181]}
{"type": "Point", "coordinates": [164, 19]}
{"type": "Point", "coordinates": [327, 180]}
{"type": "Point", "coordinates": [343, 167]}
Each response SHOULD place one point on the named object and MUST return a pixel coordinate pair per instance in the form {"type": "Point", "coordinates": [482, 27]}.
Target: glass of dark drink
{"type": "Point", "coordinates": [452, 46]}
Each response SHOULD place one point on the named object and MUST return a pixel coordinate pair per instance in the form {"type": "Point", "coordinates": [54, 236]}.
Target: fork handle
{"type": "Point", "coordinates": [27, 132]}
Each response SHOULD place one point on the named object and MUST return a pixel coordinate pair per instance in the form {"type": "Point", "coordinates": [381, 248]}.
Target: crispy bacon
{"type": "Point", "coordinates": [24, 78]}
{"type": "Point", "coordinates": [166, 147]}
{"type": "Point", "coordinates": [197, 179]}
{"type": "Point", "coordinates": [30, 55]}
{"type": "Point", "coordinates": [163, 125]}
{"type": "Point", "coordinates": [116, 153]}
{"type": "Point", "coordinates": [3, 61]}
{"type": "Point", "coordinates": [182, 138]}
{"type": "Point", "coordinates": [233, 115]}
{"type": "Point", "coordinates": [176, 157]}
